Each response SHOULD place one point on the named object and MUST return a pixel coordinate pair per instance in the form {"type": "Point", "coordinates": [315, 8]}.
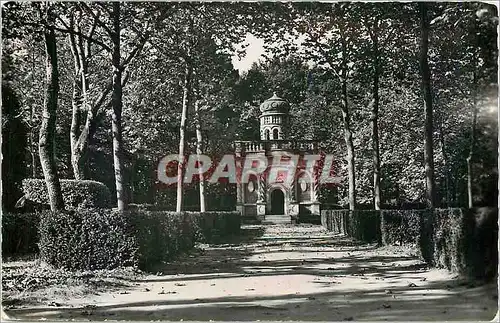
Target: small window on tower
{"type": "Point", "coordinates": [275, 134]}
{"type": "Point", "coordinates": [267, 134]}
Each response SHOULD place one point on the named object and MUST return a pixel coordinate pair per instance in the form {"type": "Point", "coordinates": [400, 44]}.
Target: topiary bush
{"type": "Point", "coordinates": [20, 233]}
{"type": "Point", "coordinates": [482, 246]}
{"type": "Point", "coordinates": [401, 227]}
{"type": "Point", "coordinates": [465, 241]}
{"type": "Point", "coordinates": [364, 225]}
{"type": "Point", "coordinates": [105, 239]}
{"type": "Point", "coordinates": [161, 235]}
{"type": "Point", "coordinates": [450, 239]}
{"type": "Point", "coordinates": [87, 239]}
{"type": "Point", "coordinates": [76, 193]}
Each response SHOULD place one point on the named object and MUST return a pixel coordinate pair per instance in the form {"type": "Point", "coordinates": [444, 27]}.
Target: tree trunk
{"type": "Point", "coordinates": [199, 151]}
{"type": "Point", "coordinates": [116, 103]}
{"type": "Point", "coordinates": [446, 166]}
{"type": "Point", "coordinates": [374, 120]}
{"type": "Point", "coordinates": [32, 143]}
{"type": "Point", "coordinates": [426, 89]}
{"type": "Point", "coordinates": [347, 130]}
{"type": "Point", "coordinates": [182, 129]}
{"type": "Point", "coordinates": [46, 142]}
{"type": "Point", "coordinates": [76, 102]}
{"type": "Point", "coordinates": [470, 157]}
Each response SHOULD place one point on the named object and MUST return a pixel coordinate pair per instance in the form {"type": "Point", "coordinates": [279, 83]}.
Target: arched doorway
{"type": "Point", "coordinates": [277, 202]}
{"type": "Point", "coordinates": [275, 134]}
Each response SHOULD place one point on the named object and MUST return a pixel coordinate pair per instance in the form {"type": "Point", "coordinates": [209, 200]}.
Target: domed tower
{"type": "Point", "coordinates": [274, 118]}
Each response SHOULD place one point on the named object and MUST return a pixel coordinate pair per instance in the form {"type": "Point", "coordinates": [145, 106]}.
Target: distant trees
{"type": "Point", "coordinates": [137, 81]}
{"type": "Point", "coordinates": [14, 141]}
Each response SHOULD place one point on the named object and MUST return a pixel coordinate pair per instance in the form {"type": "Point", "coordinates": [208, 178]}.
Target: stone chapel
{"type": "Point", "coordinates": [277, 201]}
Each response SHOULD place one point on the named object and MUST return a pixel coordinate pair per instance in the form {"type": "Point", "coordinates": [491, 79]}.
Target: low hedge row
{"type": "Point", "coordinates": [363, 225]}
{"type": "Point", "coordinates": [334, 220]}
{"type": "Point", "coordinates": [87, 239]}
{"type": "Point", "coordinates": [401, 227]}
{"type": "Point", "coordinates": [461, 240]}
{"type": "Point", "coordinates": [466, 241]}
{"type": "Point", "coordinates": [105, 238]}
{"type": "Point", "coordinates": [76, 193]}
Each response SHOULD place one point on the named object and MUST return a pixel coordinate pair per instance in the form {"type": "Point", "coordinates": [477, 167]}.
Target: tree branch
{"type": "Point", "coordinates": [89, 35]}
{"type": "Point", "coordinates": [93, 40]}
{"type": "Point", "coordinates": [96, 17]}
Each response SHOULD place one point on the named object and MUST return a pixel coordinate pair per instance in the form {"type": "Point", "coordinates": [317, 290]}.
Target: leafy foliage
{"type": "Point", "coordinates": [105, 239]}
{"type": "Point", "coordinates": [87, 239]}
{"type": "Point", "coordinates": [81, 194]}
{"type": "Point", "coordinates": [19, 233]}
{"type": "Point", "coordinates": [14, 139]}
{"type": "Point", "coordinates": [303, 63]}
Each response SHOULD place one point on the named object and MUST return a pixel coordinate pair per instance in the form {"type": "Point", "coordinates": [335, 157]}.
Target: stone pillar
{"type": "Point", "coordinates": [293, 207]}
{"type": "Point", "coordinates": [261, 198]}
{"type": "Point", "coordinates": [240, 198]}
{"type": "Point", "coordinates": [315, 206]}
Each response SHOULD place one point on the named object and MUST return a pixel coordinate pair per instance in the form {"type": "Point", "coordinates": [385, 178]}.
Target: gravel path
{"type": "Point", "coordinates": [284, 272]}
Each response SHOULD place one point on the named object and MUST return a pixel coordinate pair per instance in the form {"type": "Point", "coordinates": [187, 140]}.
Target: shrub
{"type": "Point", "coordinates": [401, 226]}
{"type": "Point", "coordinates": [465, 241]}
{"type": "Point", "coordinates": [360, 224]}
{"type": "Point", "coordinates": [484, 239]}
{"type": "Point", "coordinates": [449, 239]}
{"type": "Point", "coordinates": [19, 233]}
{"type": "Point", "coordinates": [83, 194]}
{"type": "Point", "coordinates": [161, 235]}
{"type": "Point", "coordinates": [87, 239]}
{"type": "Point", "coordinates": [216, 224]}
{"type": "Point", "coordinates": [104, 238]}
{"type": "Point", "coordinates": [364, 225]}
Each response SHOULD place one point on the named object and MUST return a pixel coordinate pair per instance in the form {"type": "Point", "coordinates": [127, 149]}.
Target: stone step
{"type": "Point", "coordinates": [277, 219]}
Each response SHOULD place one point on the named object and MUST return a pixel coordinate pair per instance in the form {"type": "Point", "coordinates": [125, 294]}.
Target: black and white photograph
{"type": "Point", "coordinates": [249, 161]}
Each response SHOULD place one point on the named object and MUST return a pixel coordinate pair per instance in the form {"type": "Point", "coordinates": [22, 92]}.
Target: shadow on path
{"type": "Point", "coordinates": [289, 273]}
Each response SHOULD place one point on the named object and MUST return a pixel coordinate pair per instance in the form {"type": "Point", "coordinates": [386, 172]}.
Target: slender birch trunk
{"type": "Point", "coordinates": [199, 151]}
{"type": "Point", "coordinates": [182, 130]}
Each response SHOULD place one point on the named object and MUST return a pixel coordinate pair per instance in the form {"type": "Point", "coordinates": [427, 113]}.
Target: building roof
{"type": "Point", "coordinates": [275, 104]}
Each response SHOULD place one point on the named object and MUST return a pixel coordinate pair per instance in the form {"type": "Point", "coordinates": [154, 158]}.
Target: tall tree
{"type": "Point", "coordinates": [46, 139]}
{"type": "Point", "coordinates": [378, 24]}
{"type": "Point", "coordinates": [195, 32]}
{"type": "Point", "coordinates": [427, 99]}
{"type": "Point", "coordinates": [110, 20]}
{"type": "Point", "coordinates": [116, 104]}
{"type": "Point", "coordinates": [186, 97]}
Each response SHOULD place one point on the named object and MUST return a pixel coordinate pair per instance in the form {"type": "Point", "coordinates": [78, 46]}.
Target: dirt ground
{"type": "Point", "coordinates": [277, 273]}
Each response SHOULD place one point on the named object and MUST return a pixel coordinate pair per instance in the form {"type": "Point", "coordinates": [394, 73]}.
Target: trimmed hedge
{"type": "Point", "coordinates": [87, 239]}
{"type": "Point", "coordinates": [20, 233]}
{"type": "Point", "coordinates": [466, 241]}
{"type": "Point", "coordinates": [461, 240]}
{"type": "Point", "coordinates": [363, 225]}
{"type": "Point", "coordinates": [161, 235]}
{"type": "Point", "coordinates": [105, 239]}
{"type": "Point", "coordinates": [400, 227]}
{"type": "Point", "coordinates": [81, 194]}
{"type": "Point", "coordinates": [335, 220]}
